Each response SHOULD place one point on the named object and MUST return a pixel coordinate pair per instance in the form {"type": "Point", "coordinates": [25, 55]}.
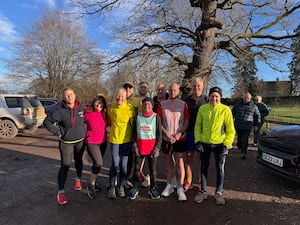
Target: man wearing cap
{"type": "Point", "coordinates": [146, 138]}
{"type": "Point", "coordinates": [214, 132]}
{"type": "Point", "coordinates": [137, 105]}
{"type": "Point", "coordinates": [135, 102]}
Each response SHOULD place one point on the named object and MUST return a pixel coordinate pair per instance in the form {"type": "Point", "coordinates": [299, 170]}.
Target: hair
{"type": "Point", "coordinates": [196, 79]}
{"type": "Point", "coordinates": [100, 98]}
{"type": "Point", "coordinates": [144, 82]}
{"type": "Point", "coordinates": [122, 90]}
{"type": "Point", "coordinates": [68, 89]}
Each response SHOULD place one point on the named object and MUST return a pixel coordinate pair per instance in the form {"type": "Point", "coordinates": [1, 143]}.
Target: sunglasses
{"type": "Point", "coordinates": [127, 86]}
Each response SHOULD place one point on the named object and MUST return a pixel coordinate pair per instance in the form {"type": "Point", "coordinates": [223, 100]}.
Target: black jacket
{"type": "Point", "coordinates": [66, 122]}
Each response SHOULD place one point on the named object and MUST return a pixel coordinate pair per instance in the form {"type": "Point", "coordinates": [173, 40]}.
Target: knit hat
{"type": "Point", "coordinates": [149, 100]}
{"type": "Point", "coordinates": [215, 89]}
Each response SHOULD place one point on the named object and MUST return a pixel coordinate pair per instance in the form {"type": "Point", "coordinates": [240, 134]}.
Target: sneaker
{"type": "Point", "coordinates": [187, 186]}
{"type": "Point", "coordinates": [200, 197]}
{"type": "Point", "coordinates": [219, 198]}
{"type": "Point", "coordinates": [133, 193]}
{"type": "Point", "coordinates": [181, 195]}
{"type": "Point", "coordinates": [154, 194]}
{"type": "Point", "coordinates": [112, 193]}
{"type": "Point", "coordinates": [91, 191]}
{"type": "Point", "coordinates": [97, 187]}
{"type": "Point", "coordinates": [169, 189]}
{"type": "Point", "coordinates": [146, 182]}
{"type": "Point", "coordinates": [77, 185]}
{"type": "Point", "coordinates": [62, 198]}
{"type": "Point", "coordinates": [243, 156]}
{"type": "Point", "coordinates": [121, 191]}
{"type": "Point", "coordinates": [254, 144]}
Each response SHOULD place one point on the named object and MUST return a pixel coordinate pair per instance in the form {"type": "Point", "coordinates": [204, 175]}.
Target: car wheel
{"type": "Point", "coordinates": [8, 129]}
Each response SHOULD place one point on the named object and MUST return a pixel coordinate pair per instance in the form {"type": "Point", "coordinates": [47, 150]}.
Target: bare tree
{"type": "Point", "coordinates": [294, 64]}
{"type": "Point", "coordinates": [202, 36]}
{"type": "Point", "coordinates": [55, 53]}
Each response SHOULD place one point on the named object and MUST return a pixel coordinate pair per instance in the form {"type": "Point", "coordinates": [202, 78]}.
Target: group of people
{"type": "Point", "coordinates": [139, 128]}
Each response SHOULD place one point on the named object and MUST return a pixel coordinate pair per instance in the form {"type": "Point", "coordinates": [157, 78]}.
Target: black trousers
{"type": "Point", "coordinates": [243, 139]}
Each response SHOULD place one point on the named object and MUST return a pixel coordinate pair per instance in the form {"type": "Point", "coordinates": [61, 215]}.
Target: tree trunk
{"type": "Point", "coordinates": [204, 46]}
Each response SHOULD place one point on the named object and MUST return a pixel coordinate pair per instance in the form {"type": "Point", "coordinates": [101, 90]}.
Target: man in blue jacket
{"type": "Point", "coordinates": [245, 113]}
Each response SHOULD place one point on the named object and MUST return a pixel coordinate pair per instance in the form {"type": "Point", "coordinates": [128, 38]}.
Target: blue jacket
{"type": "Point", "coordinates": [245, 115]}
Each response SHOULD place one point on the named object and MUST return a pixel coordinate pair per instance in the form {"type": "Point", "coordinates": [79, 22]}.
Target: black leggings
{"type": "Point", "coordinates": [152, 169]}
{"type": "Point", "coordinates": [66, 152]}
{"type": "Point", "coordinates": [96, 152]}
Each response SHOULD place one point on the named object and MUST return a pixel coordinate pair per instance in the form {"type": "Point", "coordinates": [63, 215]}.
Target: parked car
{"type": "Point", "coordinates": [19, 113]}
{"type": "Point", "coordinates": [50, 104]}
{"type": "Point", "coordinates": [279, 150]}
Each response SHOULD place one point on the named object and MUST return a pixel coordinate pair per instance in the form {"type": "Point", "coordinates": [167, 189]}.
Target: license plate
{"type": "Point", "coordinates": [272, 159]}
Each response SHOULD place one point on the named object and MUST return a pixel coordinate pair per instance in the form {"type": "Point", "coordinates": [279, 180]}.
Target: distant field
{"type": "Point", "coordinates": [286, 115]}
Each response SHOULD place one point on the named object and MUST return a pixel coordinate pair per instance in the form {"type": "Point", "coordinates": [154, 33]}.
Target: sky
{"type": "Point", "coordinates": [18, 15]}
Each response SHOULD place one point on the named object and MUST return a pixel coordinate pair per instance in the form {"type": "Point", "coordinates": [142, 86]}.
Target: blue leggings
{"type": "Point", "coordinates": [119, 156]}
{"type": "Point", "coordinates": [219, 164]}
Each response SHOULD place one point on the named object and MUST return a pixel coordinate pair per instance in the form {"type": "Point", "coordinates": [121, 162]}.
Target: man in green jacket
{"type": "Point", "coordinates": [214, 132]}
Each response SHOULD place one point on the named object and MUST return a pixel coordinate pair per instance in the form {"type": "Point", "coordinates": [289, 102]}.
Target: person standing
{"type": "Point", "coordinates": [161, 95]}
{"type": "Point", "coordinates": [194, 101]}
{"type": "Point", "coordinates": [214, 132]}
{"type": "Point", "coordinates": [174, 115]}
{"type": "Point", "coordinates": [137, 105]}
{"type": "Point", "coordinates": [143, 90]}
{"type": "Point", "coordinates": [120, 117]}
{"type": "Point", "coordinates": [245, 113]}
{"type": "Point", "coordinates": [147, 138]}
{"type": "Point", "coordinates": [69, 117]}
{"type": "Point", "coordinates": [96, 140]}
{"type": "Point", "coordinates": [264, 112]}
{"type": "Point", "coordinates": [131, 99]}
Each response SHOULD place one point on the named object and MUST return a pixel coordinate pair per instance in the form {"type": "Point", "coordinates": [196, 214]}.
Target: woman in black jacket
{"type": "Point", "coordinates": [67, 123]}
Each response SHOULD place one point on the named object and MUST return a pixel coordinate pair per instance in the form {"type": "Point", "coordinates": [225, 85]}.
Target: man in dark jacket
{"type": "Point", "coordinates": [264, 111]}
{"type": "Point", "coordinates": [71, 132]}
{"type": "Point", "coordinates": [245, 113]}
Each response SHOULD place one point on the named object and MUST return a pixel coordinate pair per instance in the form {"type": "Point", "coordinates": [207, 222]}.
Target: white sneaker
{"type": "Point", "coordinates": [219, 198]}
{"type": "Point", "coordinates": [200, 197]}
{"type": "Point", "coordinates": [181, 194]}
{"type": "Point", "coordinates": [169, 189]}
{"type": "Point", "coordinates": [146, 182]}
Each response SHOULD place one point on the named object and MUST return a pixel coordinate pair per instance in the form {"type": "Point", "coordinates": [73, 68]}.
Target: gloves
{"type": "Point", "coordinates": [225, 150]}
{"type": "Point", "coordinates": [199, 147]}
{"type": "Point", "coordinates": [135, 149]}
{"type": "Point", "coordinates": [155, 153]}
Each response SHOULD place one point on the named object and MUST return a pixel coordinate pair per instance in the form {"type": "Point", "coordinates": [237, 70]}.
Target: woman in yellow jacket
{"type": "Point", "coordinates": [214, 132]}
{"type": "Point", "coordinates": [120, 118]}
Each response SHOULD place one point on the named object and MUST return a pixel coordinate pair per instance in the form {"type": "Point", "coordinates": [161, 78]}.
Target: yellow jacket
{"type": "Point", "coordinates": [214, 125]}
{"type": "Point", "coordinates": [121, 121]}
{"type": "Point", "coordinates": [136, 103]}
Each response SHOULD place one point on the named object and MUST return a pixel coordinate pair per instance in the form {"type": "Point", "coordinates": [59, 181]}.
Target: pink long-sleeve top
{"type": "Point", "coordinates": [96, 127]}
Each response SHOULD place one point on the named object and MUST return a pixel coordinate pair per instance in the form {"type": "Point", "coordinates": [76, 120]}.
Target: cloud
{"type": "Point", "coordinates": [48, 3]}
{"type": "Point", "coordinates": [36, 4]}
{"type": "Point", "coordinates": [7, 29]}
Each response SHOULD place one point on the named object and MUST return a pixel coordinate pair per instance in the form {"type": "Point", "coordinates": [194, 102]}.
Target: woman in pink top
{"type": "Point", "coordinates": [96, 140]}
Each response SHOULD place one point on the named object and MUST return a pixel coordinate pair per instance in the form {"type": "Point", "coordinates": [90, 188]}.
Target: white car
{"type": "Point", "coordinates": [19, 113]}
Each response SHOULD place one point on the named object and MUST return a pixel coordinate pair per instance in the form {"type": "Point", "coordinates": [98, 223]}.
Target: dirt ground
{"type": "Point", "coordinates": [28, 172]}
